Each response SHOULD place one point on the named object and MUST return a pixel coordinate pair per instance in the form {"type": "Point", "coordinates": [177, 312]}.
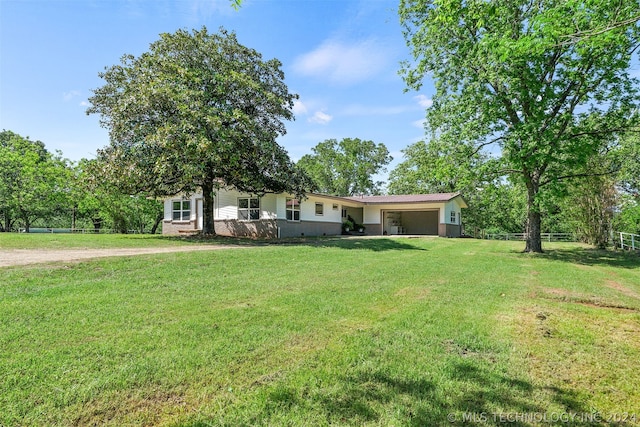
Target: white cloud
{"type": "Point", "coordinates": [320, 118]}
{"type": "Point", "coordinates": [343, 63]}
{"type": "Point", "coordinates": [299, 108]}
{"type": "Point", "coordinates": [424, 101]}
{"type": "Point", "coordinates": [68, 96]}
{"type": "Point", "coordinates": [84, 104]}
{"type": "Point", "coordinates": [419, 123]}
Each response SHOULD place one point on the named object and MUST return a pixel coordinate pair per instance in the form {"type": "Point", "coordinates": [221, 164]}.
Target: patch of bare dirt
{"type": "Point", "coordinates": [621, 288]}
{"type": "Point", "coordinates": [36, 256]}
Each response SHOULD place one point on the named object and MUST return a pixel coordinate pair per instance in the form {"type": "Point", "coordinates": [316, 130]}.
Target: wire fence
{"type": "Point", "coordinates": [74, 230]}
{"type": "Point", "coordinates": [547, 237]}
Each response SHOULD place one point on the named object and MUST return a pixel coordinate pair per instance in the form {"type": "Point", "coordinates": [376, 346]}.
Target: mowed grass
{"type": "Point", "coordinates": [102, 241]}
{"type": "Point", "coordinates": [328, 332]}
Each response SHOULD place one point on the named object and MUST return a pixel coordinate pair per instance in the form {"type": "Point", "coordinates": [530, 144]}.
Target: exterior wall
{"type": "Point", "coordinates": [418, 218]}
{"type": "Point", "coordinates": [226, 204]}
{"type": "Point", "coordinates": [263, 229]}
{"type": "Point", "coordinates": [449, 230]}
{"type": "Point", "coordinates": [356, 213]}
{"type": "Point", "coordinates": [177, 227]}
{"type": "Point", "coordinates": [169, 226]}
{"type": "Point", "coordinates": [308, 210]}
{"type": "Point", "coordinates": [308, 228]}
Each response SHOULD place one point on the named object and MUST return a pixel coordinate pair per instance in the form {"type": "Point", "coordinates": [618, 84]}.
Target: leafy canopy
{"type": "Point", "coordinates": [542, 85]}
{"type": "Point", "coordinates": [198, 110]}
{"type": "Point", "coordinates": [346, 168]}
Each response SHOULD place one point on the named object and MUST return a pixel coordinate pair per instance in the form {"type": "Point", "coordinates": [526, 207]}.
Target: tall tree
{"type": "Point", "coordinates": [33, 181]}
{"type": "Point", "coordinates": [543, 83]}
{"type": "Point", "coordinates": [346, 168]}
{"type": "Point", "coordinates": [495, 205]}
{"type": "Point", "coordinates": [197, 111]}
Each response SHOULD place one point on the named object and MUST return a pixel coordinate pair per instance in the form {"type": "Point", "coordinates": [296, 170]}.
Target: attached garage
{"type": "Point", "coordinates": [418, 214]}
{"type": "Point", "coordinates": [424, 222]}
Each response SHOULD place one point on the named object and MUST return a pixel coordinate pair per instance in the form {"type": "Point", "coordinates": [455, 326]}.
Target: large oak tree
{"type": "Point", "coordinates": [196, 111]}
{"type": "Point", "coordinates": [543, 85]}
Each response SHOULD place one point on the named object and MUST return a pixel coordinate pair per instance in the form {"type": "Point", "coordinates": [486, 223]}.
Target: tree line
{"type": "Point", "coordinates": [39, 188]}
{"type": "Point", "coordinates": [534, 120]}
{"type": "Point", "coordinates": [42, 189]}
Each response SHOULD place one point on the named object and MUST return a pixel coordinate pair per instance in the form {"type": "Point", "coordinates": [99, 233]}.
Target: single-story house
{"type": "Point", "coordinates": [282, 215]}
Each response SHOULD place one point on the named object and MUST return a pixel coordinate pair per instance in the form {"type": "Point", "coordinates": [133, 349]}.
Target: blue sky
{"type": "Point", "coordinates": [342, 58]}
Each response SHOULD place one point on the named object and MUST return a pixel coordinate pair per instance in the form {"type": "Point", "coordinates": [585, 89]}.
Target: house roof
{"type": "Point", "coordinates": [405, 198]}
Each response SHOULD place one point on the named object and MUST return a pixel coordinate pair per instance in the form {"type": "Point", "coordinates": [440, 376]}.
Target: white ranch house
{"type": "Point", "coordinates": [281, 215]}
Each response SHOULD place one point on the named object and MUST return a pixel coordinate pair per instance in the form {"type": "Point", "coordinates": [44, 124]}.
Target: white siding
{"type": "Point", "coordinates": [452, 205]}
{"type": "Point", "coordinates": [371, 214]}
{"type": "Point", "coordinates": [168, 206]}
{"type": "Point", "coordinates": [226, 204]}
{"type": "Point", "coordinates": [268, 206]}
{"type": "Point", "coordinates": [308, 210]}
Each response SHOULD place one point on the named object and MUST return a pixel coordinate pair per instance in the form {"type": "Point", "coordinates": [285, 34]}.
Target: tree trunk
{"type": "Point", "coordinates": [208, 227]}
{"type": "Point", "coordinates": [73, 217]}
{"type": "Point", "coordinates": [534, 219]}
{"type": "Point", "coordinates": [97, 223]}
{"type": "Point", "coordinates": [157, 222]}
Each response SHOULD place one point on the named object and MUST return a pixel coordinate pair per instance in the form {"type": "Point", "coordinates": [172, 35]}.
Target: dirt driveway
{"type": "Point", "coordinates": [36, 256]}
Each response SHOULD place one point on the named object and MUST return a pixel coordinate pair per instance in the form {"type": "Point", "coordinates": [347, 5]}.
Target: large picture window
{"type": "Point", "coordinates": [293, 209]}
{"type": "Point", "coordinates": [248, 208]}
{"type": "Point", "coordinates": [181, 210]}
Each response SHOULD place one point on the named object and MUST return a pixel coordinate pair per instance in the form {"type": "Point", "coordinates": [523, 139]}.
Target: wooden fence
{"type": "Point", "coordinates": [629, 241]}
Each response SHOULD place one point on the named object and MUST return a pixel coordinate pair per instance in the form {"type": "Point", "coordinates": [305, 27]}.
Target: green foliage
{"type": "Point", "coordinates": [346, 168]}
{"type": "Point", "coordinates": [195, 111]}
{"type": "Point", "coordinates": [544, 85]}
{"type": "Point", "coordinates": [33, 182]}
{"type": "Point", "coordinates": [495, 205]}
{"type": "Point", "coordinates": [628, 218]}
{"type": "Point", "coordinates": [102, 202]}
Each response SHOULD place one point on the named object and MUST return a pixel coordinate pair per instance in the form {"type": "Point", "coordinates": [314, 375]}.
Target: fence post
{"type": "Point", "coordinates": [633, 243]}
{"type": "Point", "coordinates": [621, 241]}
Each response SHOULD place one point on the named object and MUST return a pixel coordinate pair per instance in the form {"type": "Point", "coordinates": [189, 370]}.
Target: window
{"type": "Point", "coordinates": [344, 213]}
{"type": "Point", "coordinates": [453, 218]}
{"type": "Point", "coordinates": [181, 210]}
{"type": "Point", "coordinates": [335, 206]}
{"type": "Point", "coordinates": [319, 208]}
{"type": "Point", "coordinates": [293, 209]}
{"type": "Point", "coordinates": [248, 208]}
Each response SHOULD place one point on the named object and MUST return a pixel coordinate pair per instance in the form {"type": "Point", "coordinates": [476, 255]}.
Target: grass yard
{"type": "Point", "coordinates": [422, 332]}
{"type": "Point", "coordinates": [102, 241]}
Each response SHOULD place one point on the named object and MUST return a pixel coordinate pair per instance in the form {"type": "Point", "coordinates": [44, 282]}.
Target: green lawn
{"type": "Point", "coordinates": [422, 332]}
{"type": "Point", "coordinates": [101, 241]}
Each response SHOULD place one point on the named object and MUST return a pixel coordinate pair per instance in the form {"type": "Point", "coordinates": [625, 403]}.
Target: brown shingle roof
{"type": "Point", "coordinates": [404, 198]}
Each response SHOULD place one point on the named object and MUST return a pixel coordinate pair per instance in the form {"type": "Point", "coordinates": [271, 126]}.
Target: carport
{"type": "Point", "coordinates": [424, 222]}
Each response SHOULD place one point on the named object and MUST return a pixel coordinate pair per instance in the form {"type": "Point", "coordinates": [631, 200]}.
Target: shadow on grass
{"type": "Point", "coordinates": [468, 394]}
{"type": "Point", "coordinates": [590, 256]}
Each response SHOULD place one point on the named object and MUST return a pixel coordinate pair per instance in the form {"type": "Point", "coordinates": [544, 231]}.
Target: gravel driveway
{"type": "Point", "coordinates": [34, 256]}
